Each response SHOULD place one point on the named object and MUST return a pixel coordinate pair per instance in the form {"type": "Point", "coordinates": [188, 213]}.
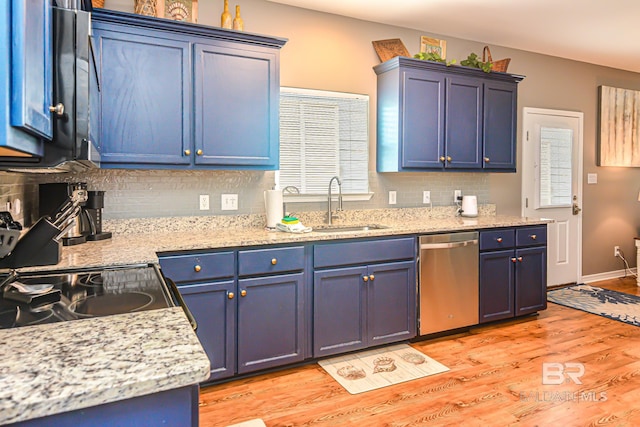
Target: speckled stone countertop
{"type": "Point", "coordinates": [60, 367]}
{"type": "Point", "coordinates": [139, 241]}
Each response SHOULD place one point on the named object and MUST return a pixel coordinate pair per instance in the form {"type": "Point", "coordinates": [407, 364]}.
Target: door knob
{"type": "Point", "coordinates": [230, 295]}
{"type": "Point", "coordinates": [274, 261]}
{"type": "Point", "coordinates": [371, 277]}
{"type": "Point", "coordinates": [449, 159]}
{"type": "Point", "coordinates": [442, 159]}
{"type": "Point", "coordinates": [365, 278]}
{"type": "Point", "coordinates": [197, 268]}
{"type": "Point", "coordinates": [243, 293]}
{"type": "Point", "coordinates": [576, 209]}
{"type": "Point", "coordinates": [187, 152]}
{"type": "Point", "coordinates": [486, 160]}
{"type": "Point", "coordinates": [199, 152]}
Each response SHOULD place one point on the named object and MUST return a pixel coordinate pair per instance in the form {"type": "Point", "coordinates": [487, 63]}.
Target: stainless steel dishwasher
{"type": "Point", "coordinates": [448, 281]}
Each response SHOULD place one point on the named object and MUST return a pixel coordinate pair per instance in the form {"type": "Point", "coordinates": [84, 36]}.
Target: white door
{"type": "Point", "coordinates": [552, 186]}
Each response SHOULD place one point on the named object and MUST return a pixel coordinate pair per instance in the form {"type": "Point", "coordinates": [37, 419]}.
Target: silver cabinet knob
{"type": "Point", "coordinates": [57, 109]}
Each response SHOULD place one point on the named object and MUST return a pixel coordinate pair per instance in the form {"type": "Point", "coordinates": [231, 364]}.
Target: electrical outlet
{"type": "Point", "coordinates": [204, 202]}
{"type": "Point", "coordinates": [426, 197]}
{"type": "Point", "coordinates": [457, 196]}
{"type": "Point", "coordinates": [229, 202]}
{"type": "Point", "coordinates": [616, 251]}
{"type": "Point", "coordinates": [392, 197]}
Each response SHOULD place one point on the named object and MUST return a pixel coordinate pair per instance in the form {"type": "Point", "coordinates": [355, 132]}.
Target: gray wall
{"type": "Point", "coordinates": [330, 52]}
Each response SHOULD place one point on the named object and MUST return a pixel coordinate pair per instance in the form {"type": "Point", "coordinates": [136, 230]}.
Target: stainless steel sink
{"type": "Point", "coordinates": [347, 228]}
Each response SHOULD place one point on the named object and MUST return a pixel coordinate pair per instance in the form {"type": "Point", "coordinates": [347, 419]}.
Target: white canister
{"type": "Point", "coordinates": [469, 206]}
{"type": "Point", "coordinates": [273, 205]}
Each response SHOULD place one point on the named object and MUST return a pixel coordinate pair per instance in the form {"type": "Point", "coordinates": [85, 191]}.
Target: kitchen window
{"type": "Point", "coordinates": [323, 134]}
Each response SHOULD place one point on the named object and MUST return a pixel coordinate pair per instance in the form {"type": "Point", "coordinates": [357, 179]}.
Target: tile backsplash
{"type": "Point", "coordinates": [171, 193]}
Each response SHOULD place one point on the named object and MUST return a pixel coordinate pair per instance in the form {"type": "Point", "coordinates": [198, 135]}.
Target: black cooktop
{"type": "Point", "coordinates": [80, 294]}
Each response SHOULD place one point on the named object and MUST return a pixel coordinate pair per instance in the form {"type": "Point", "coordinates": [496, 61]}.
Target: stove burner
{"type": "Point", "coordinates": [103, 305]}
{"type": "Point", "coordinates": [91, 280]}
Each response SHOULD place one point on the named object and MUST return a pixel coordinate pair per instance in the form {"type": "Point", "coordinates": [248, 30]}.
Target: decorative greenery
{"type": "Point", "coordinates": [432, 56]}
{"type": "Point", "coordinates": [473, 61]}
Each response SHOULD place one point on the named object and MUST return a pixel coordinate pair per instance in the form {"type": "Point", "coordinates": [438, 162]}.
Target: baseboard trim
{"type": "Point", "coordinates": [607, 275]}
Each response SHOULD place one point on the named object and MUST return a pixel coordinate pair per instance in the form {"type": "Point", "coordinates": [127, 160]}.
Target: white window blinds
{"type": "Point", "coordinates": [323, 134]}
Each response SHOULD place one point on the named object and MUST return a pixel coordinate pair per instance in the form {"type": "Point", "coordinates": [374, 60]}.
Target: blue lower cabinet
{"type": "Point", "coordinates": [271, 325]}
{"type": "Point", "coordinates": [363, 306]}
{"type": "Point", "coordinates": [249, 305]}
{"type": "Point", "coordinates": [214, 308]}
{"type": "Point", "coordinates": [391, 302]}
{"type": "Point", "coordinates": [339, 310]}
{"type": "Point", "coordinates": [178, 407]}
{"type": "Point", "coordinates": [496, 286]}
{"type": "Point", "coordinates": [531, 280]}
{"type": "Point", "coordinates": [513, 272]}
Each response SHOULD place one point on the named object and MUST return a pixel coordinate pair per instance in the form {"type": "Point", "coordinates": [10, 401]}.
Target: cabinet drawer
{"type": "Point", "coordinates": [497, 239]}
{"type": "Point", "coordinates": [531, 236]}
{"type": "Point", "coordinates": [198, 268]}
{"type": "Point", "coordinates": [277, 260]}
{"type": "Point", "coordinates": [363, 252]}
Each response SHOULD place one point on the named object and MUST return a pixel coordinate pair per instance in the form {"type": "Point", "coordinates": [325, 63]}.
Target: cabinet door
{"type": "Point", "coordinates": [31, 66]}
{"type": "Point", "coordinates": [463, 127]}
{"type": "Point", "coordinates": [236, 106]}
{"type": "Point", "coordinates": [213, 306]}
{"type": "Point", "coordinates": [391, 302]}
{"type": "Point", "coordinates": [144, 99]}
{"type": "Point", "coordinates": [339, 311]}
{"type": "Point", "coordinates": [270, 321]}
{"type": "Point", "coordinates": [496, 285]}
{"type": "Point", "coordinates": [531, 280]}
{"type": "Point", "coordinates": [422, 120]}
{"type": "Point", "coordinates": [499, 129]}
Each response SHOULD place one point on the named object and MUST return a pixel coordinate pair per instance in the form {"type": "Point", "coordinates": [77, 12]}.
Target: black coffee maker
{"type": "Point", "coordinates": [92, 220]}
{"type": "Point", "coordinates": [88, 222]}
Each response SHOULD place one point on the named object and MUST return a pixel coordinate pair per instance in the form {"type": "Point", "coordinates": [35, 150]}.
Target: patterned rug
{"type": "Point", "coordinates": [373, 369]}
{"type": "Point", "coordinates": [611, 304]}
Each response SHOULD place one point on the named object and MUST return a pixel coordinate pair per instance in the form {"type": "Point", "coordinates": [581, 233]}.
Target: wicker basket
{"type": "Point", "coordinates": [500, 65]}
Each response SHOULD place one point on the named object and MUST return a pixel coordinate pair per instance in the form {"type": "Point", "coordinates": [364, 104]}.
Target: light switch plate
{"type": "Point", "coordinates": [229, 202]}
{"type": "Point", "coordinates": [392, 197]}
{"type": "Point", "coordinates": [592, 178]}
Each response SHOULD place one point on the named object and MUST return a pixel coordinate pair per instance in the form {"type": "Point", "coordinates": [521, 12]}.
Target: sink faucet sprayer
{"type": "Point", "coordinates": [330, 213]}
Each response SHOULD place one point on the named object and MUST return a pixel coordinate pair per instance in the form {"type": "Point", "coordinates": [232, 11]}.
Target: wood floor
{"type": "Point", "coordinates": [495, 379]}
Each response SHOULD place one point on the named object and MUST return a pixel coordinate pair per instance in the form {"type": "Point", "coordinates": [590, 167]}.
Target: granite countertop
{"type": "Point", "coordinates": [61, 367]}
{"type": "Point", "coordinates": [142, 247]}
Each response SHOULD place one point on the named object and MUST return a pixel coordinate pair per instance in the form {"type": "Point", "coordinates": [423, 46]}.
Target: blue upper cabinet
{"type": "Point", "coordinates": [432, 117]}
{"type": "Point", "coordinates": [25, 76]}
{"type": "Point", "coordinates": [144, 106]}
{"type": "Point", "coordinates": [236, 105]}
{"type": "Point", "coordinates": [179, 95]}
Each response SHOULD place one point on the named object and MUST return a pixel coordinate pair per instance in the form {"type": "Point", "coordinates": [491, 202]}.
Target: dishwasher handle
{"type": "Point", "coordinates": [448, 245]}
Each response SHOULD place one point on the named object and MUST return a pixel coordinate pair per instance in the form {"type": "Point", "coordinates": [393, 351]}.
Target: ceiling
{"type": "Point", "coordinates": [594, 31]}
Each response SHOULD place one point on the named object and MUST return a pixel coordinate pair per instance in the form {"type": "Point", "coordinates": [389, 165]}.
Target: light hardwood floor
{"type": "Point", "coordinates": [495, 379]}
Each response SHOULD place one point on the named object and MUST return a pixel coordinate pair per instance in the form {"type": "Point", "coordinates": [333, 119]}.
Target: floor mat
{"type": "Point", "coordinates": [373, 369]}
{"type": "Point", "coordinates": [604, 302]}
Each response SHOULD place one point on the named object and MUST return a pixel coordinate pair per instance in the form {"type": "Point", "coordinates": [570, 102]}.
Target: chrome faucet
{"type": "Point", "coordinates": [330, 213]}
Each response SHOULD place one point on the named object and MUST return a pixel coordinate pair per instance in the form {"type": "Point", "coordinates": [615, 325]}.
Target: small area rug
{"type": "Point", "coordinates": [611, 304]}
{"type": "Point", "coordinates": [373, 369]}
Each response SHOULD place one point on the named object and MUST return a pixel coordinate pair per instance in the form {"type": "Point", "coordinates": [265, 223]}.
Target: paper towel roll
{"type": "Point", "coordinates": [273, 204]}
